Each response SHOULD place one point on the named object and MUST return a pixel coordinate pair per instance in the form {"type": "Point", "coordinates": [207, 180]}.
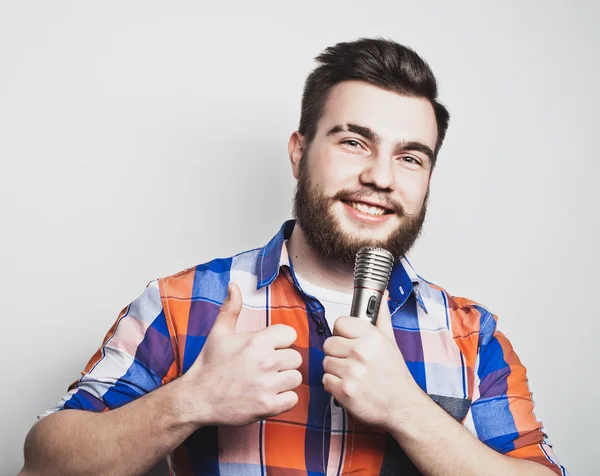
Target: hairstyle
{"type": "Point", "coordinates": [380, 62]}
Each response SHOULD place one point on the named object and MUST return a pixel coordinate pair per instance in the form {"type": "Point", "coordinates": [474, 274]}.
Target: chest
{"type": "Point", "coordinates": [317, 435]}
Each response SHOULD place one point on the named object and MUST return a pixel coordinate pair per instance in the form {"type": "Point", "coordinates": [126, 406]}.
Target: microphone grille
{"type": "Point", "coordinates": [373, 264]}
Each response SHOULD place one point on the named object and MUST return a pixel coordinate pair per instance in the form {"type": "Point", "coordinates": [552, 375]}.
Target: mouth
{"type": "Point", "coordinates": [368, 208]}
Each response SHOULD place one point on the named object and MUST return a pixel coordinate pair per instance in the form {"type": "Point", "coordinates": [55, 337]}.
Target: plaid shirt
{"type": "Point", "coordinates": [451, 346]}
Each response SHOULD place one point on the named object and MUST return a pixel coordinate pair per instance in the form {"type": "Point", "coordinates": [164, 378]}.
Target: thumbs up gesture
{"type": "Point", "coordinates": [365, 370]}
{"type": "Point", "coordinates": [240, 378]}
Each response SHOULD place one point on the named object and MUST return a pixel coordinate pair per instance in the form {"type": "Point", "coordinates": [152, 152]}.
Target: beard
{"type": "Point", "coordinates": [324, 234]}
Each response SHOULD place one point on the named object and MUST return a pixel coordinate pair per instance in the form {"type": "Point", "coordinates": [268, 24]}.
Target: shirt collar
{"type": "Point", "coordinates": [403, 281]}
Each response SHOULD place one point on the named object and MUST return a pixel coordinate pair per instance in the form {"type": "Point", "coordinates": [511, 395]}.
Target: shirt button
{"type": "Point", "coordinates": [321, 328]}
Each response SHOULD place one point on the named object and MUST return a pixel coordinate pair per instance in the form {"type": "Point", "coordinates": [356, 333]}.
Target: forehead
{"type": "Point", "coordinates": [391, 115]}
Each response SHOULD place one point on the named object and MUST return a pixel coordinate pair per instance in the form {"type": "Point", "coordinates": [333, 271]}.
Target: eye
{"type": "Point", "coordinates": [409, 159]}
{"type": "Point", "coordinates": [351, 143]}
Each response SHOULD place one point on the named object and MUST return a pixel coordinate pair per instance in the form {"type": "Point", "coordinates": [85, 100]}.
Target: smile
{"type": "Point", "coordinates": [368, 208]}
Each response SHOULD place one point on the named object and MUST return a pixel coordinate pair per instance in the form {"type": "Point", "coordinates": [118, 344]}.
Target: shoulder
{"type": "Point", "coordinates": [209, 280]}
{"type": "Point", "coordinates": [191, 298]}
{"type": "Point", "coordinates": [465, 317]}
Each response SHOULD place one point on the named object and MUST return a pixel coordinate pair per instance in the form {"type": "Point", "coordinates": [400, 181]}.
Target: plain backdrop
{"type": "Point", "coordinates": [140, 138]}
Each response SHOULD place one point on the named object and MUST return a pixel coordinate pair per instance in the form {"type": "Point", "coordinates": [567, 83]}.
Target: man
{"type": "Point", "coordinates": [263, 376]}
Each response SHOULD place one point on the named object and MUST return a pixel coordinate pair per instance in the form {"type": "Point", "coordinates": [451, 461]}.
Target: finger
{"type": "Point", "coordinates": [285, 402]}
{"type": "Point", "coordinates": [287, 380]}
{"type": "Point", "coordinates": [384, 318]}
{"type": "Point", "coordinates": [335, 366]}
{"type": "Point", "coordinates": [350, 327]}
{"type": "Point", "coordinates": [288, 359]}
{"type": "Point", "coordinates": [230, 310]}
{"type": "Point", "coordinates": [332, 384]}
{"type": "Point", "coordinates": [337, 346]}
{"type": "Point", "coordinates": [279, 336]}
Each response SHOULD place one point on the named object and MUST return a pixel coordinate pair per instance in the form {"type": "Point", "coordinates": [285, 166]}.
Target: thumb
{"type": "Point", "coordinates": [230, 310]}
{"type": "Point", "coordinates": [384, 318]}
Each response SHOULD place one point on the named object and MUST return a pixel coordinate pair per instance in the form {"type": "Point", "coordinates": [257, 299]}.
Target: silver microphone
{"type": "Point", "coordinates": [372, 271]}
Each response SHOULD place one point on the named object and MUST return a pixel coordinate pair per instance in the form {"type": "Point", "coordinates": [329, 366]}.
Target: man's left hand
{"type": "Point", "coordinates": [365, 371]}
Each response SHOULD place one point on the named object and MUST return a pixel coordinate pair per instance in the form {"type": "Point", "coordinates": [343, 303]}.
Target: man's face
{"type": "Point", "coordinates": [365, 178]}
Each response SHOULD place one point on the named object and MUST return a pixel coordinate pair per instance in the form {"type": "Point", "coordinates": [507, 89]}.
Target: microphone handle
{"type": "Point", "coordinates": [365, 303]}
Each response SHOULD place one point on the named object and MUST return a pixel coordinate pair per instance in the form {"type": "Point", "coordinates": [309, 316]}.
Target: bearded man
{"type": "Point", "coordinates": [250, 365]}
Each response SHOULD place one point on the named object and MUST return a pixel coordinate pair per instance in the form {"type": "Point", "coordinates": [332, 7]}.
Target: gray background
{"type": "Point", "coordinates": [140, 138]}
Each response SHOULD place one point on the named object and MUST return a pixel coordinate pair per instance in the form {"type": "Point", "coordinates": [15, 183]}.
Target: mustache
{"type": "Point", "coordinates": [349, 195]}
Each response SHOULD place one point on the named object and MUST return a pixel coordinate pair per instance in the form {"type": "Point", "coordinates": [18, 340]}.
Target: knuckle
{"type": "Point", "coordinates": [359, 354]}
{"type": "Point", "coordinates": [348, 388]}
{"type": "Point", "coordinates": [269, 386]}
{"type": "Point", "coordinates": [265, 404]}
{"type": "Point", "coordinates": [292, 379]}
{"type": "Point", "coordinates": [266, 364]}
{"type": "Point", "coordinates": [357, 371]}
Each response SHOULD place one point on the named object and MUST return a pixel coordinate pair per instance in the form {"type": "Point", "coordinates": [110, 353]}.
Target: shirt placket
{"type": "Point", "coordinates": [333, 461]}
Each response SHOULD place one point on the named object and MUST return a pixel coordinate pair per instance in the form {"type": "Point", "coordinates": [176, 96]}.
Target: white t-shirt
{"type": "Point", "coordinates": [336, 304]}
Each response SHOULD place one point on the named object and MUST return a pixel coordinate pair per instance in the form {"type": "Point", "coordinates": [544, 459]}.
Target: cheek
{"type": "Point", "coordinates": [333, 172]}
{"type": "Point", "coordinates": [412, 191]}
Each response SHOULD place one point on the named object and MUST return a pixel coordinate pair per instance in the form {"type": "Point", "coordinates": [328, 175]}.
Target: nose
{"type": "Point", "coordinates": [378, 173]}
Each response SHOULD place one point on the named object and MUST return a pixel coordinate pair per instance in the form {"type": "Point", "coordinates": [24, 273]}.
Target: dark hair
{"type": "Point", "coordinates": [377, 61]}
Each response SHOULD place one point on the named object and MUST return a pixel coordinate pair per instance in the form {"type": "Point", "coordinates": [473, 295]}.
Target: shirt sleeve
{"type": "Point", "coordinates": [135, 358]}
{"type": "Point", "coordinates": [502, 411]}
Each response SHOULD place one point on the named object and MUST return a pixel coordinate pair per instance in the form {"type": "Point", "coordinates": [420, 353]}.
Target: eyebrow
{"type": "Point", "coordinates": [372, 136]}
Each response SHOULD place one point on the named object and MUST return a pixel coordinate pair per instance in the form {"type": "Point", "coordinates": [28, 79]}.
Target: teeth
{"type": "Point", "coordinates": [361, 207]}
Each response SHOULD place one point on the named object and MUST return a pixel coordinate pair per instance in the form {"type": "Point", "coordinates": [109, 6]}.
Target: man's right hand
{"type": "Point", "coordinates": [240, 378]}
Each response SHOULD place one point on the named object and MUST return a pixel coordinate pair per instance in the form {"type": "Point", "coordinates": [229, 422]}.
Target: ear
{"type": "Point", "coordinates": [296, 151]}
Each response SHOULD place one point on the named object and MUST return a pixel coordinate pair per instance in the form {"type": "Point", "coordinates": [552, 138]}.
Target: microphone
{"type": "Point", "coordinates": [372, 270]}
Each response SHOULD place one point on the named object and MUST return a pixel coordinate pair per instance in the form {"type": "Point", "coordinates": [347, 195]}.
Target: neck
{"type": "Point", "coordinates": [314, 268]}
